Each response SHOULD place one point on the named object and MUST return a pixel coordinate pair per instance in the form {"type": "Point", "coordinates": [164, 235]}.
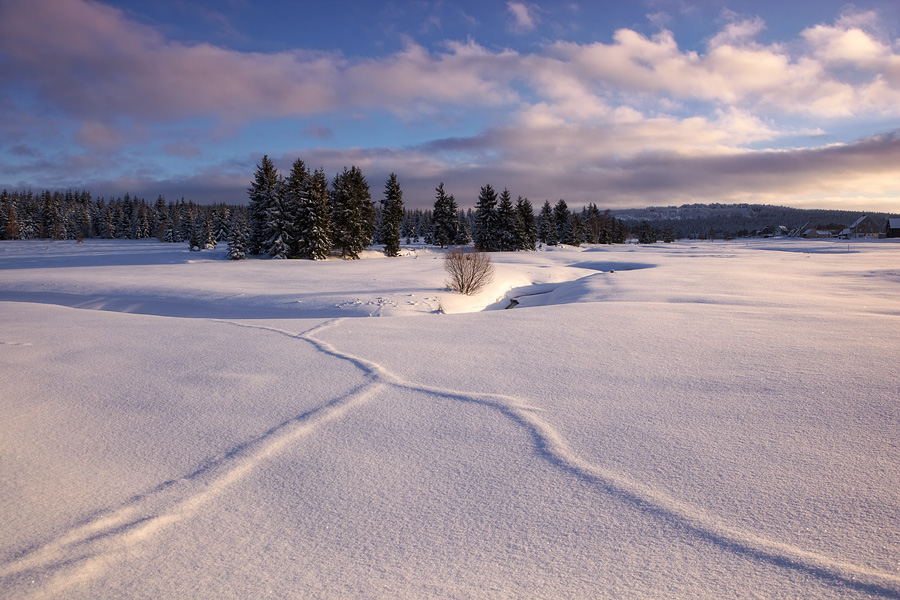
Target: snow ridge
{"type": "Point", "coordinates": [551, 446]}
{"type": "Point", "coordinates": [97, 545]}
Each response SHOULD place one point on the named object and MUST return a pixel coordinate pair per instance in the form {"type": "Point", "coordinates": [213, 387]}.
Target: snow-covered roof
{"type": "Point", "coordinates": [859, 220]}
{"type": "Point", "coordinates": [893, 223]}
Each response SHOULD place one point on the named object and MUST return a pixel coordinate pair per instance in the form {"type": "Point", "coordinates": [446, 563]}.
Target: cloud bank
{"type": "Point", "coordinates": [636, 120]}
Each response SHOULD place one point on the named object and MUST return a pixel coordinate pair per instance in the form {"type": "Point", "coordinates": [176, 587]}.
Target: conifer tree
{"type": "Point", "coordinates": [196, 238]}
{"type": "Point", "coordinates": [315, 221]}
{"type": "Point", "coordinates": [391, 216]}
{"type": "Point", "coordinates": [352, 213]}
{"type": "Point", "coordinates": [444, 219]}
{"type": "Point", "coordinates": [237, 238]}
{"type": "Point", "coordinates": [278, 224]}
{"type": "Point", "coordinates": [297, 205]}
{"type": "Point", "coordinates": [563, 226]}
{"type": "Point", "coordinates": [12, 224]}
{"type": "Point", "coordinates": [526, 231]}
{"type": "Point", "coordinates": [487, 227]}
{"type": "Point", "coordinates": [262, 194]}
{"type": "Point", "coordinates": [576, 226]}
{"type": "Point", "coordinates": [547, 226]}
{"type": "Point", "coordinates": [463, 235]}
{"type": "Point", "coordinates": [506, 221]}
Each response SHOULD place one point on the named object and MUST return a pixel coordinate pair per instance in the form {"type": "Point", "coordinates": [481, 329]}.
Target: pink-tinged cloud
{"type": "Point", "coordinates": [182, 149]}
{"type": "Point", "coordinates": [94, 62]}
{"type": "Point", "coordinates": [523, 20]}
{"type": "Point", "coordinates": [99, 137]}
{"type": "Point", "coordinates": [318, 132]}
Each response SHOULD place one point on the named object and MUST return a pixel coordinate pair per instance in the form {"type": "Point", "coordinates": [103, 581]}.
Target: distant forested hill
{"type": "Point", "coordinates": [736, 220]}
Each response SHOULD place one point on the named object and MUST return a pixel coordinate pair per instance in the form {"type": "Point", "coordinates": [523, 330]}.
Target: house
{"type": "Point", "coordinates": [863, 227]}
{"type": "Point", "coordinates": [892, 228]}
{"type": "Point", "coordinates": [816, 233]}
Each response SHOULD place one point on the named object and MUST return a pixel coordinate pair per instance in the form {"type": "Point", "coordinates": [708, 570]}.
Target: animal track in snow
{"type": "Point", "coordinates": [90, 549]}
{"type": "Point", "coordinates": [551, 446]}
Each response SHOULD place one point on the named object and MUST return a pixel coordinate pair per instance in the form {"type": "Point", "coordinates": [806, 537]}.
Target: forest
{"type": "Point", "coordinates": [303, 215]}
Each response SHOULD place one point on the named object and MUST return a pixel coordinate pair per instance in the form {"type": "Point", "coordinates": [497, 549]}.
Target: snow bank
{"type": "Point", "coordinates": [679, 421]}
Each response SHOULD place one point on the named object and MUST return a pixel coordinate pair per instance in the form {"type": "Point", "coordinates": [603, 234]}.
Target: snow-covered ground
{"type": "Point", "coordinates": [689, 420]}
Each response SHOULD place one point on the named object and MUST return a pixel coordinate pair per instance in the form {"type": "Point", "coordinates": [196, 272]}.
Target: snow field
{"type": "Point", "coordinates": [720, 422]}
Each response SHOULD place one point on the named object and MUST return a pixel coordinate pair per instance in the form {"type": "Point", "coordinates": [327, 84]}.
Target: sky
{"type": "Point", "coordinates": [624, 104]}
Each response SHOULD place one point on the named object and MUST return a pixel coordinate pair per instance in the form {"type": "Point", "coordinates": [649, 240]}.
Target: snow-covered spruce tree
{"type": "Point", "coordinates": [315, 221]}
{"type": "Point", "coordinates": [196, 237]}
{"type": "Point", "coordinates": [391, 216]}
{"type": "Point", "coordinates": [407, 228]}
{"type": "Point", "coordinates": [463, 235]}
{"type": "Point", "coordinates": [506, 220]}
{"type": "Point", "coordinates": [443, 218]}
{"type": "Point", "coordinates": [11, 231]}
{"type": "Point", "coordinates": [646, 234]}
{"type": "Point", "coordinates": [221, 221]}
{"type": "Point", "coordinates": [296, 205]}
{"type": "Point", "coordinates": [563, 227]}
{"type": "Point", "coordinates": [576, 226]}
{"type": "Point", "coordinates": [237, 240]}
{"type": "Point", "coordinates": [262, 194]}
{"type": "Point", "coordinates": [278, 225]}
{"type": "Point", "coordinates": [668, 234]}
{"type": "Point", "coordinates": [547, 226]}
{"type": "Point", "coordinates": [487, 226]}
{"type": "Point", "coordinates": [526, 231]}
{"type": "Point", "coordinates": [352, 213]}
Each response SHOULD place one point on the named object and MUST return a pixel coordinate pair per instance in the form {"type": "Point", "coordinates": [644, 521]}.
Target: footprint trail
{"type": "Point", "coordinates": [91, 549]}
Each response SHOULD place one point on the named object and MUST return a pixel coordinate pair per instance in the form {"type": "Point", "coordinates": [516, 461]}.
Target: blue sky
{"type": "Point", "coordinates": [624, 104]}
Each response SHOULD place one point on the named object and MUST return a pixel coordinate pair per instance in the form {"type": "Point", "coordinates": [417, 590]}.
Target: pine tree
{"type": "Point", "coordinates": [561, 217]}
{"type": "Point", "coordinates": [444, 219]}
{"type": "Point", "coordinates": [646, 234]}
{"type": "Point", "coordinates": [315, 219]}
{"type": "Point", "coordinates": [506, 220]}
{"type": "Point", "coordinates": [526, 231]}
{"type": "Point", "coordinates": [487, 226]}
{"type": "Point", "coordinates": [576, 226]}
{"type": "Point", "coordinates": [262, 194]}
{"type": "Point", "coordinates": [296, 205]}
{"type": "Point", "coordinates": [12, 224]}
{"type": "Point", "coordinates": [352, 213]}
{"type": "Point", "coordinates": [668, 234]}
{"type": "Point", "coordinates": [391, 216]}
{"type": "Point", "coordinates": [278, 224]}
{"type": "Point", "coordinates": [237, 240]}
{"type": "Point", "coordinates": [463, 235]}
{"type": "Point", "coordinates": [547, 226]}
{"type": "Point", "coordinates": [196, 240]}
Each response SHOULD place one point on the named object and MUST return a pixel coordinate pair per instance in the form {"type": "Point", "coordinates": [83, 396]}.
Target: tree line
{"type": "Point", "coordinates": [301, 216]}
{"type": "Point", "coordinates": [76, 215]}
{"type": "Point", "coordinates": [304, 215]}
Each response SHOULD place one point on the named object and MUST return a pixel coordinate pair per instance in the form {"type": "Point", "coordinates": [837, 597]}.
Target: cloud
{"type": "Point", "coordinates": [523, 19]}
{"type": "Point", "coordinates": [99, 137]}
{"type": "Point", "coordinates": [182, 149]}
{"type": "Point", "coordinates": [638, 120]}
{"type": "Point", "coordinates": [318, 132]}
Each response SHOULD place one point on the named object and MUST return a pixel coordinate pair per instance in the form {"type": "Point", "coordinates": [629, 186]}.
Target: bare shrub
{"type": "Point", "coordinates": [469, 271]}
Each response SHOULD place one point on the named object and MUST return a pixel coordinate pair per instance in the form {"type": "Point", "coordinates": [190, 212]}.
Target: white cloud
{"type": "Point", "coordinates": [523, 19]}
{"type": "Point", "coordinates": [572, 114]}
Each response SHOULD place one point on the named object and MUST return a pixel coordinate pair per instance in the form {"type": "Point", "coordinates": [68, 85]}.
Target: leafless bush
{"type": "Point", "coordinates": [469, 271]}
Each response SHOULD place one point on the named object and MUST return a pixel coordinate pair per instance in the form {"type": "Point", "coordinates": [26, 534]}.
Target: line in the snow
{"type": "Point", "coordinates": [551, 446]}
{"type": "Point", "coordinates": [91, 548]}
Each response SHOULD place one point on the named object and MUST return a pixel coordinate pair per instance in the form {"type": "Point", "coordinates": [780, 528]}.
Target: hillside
{"type": "Point", "coordinates": [694, 221]}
